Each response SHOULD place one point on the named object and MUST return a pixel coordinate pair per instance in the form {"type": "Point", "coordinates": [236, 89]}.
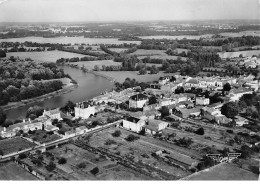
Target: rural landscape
{"type": "Point", "coordinates": [145, 100]}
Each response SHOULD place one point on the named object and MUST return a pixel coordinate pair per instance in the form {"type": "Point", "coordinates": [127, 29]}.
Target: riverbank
{"type": "Point", "coordinates": [111, 79]}
{"type": "Point", "coordinates": [66, 89]}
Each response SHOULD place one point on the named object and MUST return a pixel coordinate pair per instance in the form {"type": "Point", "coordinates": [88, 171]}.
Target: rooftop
{"type": "Point", "coordinates": [139, 97]}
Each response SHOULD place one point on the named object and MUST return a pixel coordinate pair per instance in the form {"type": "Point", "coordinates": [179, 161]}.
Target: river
{"type": "Point", "coordinates": [89, 86]}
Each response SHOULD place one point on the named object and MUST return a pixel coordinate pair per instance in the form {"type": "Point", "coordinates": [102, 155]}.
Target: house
{"type": "Point", "coordinates": [216, 105]}
{"type": "Point", "coordinates": [53, 114]}
{"type": "Point", "coordinates": [221, 119]}
{"type": "Point", "coordinates": [51, 128]}
{"type": "Point", "coordinates": [155, 86]}
{"type": "Point", "coordinates": [185, 104]}
{"type": "Point", "coordinates": [192, 83]}
{"type": "Point", "coordinates": [133, 124]}
{"type": "Point", "coordinates": [155, 126]}
{"type": "Point", "coordinates": [25, 126]}
{"type": "Point", "coordinates": [240, 121]}
{"type": "Point", "coordinates": [69, 134]}
{"type": "Point", "coordinates": [164, 80]}
{"type": "Point", "coordinates": [138, 101]}
{"type": "Point", "coordinates": [84, 110]}
{"type": "Point", "coordinates": [202, 101]}
{"type": "Point", "coordinates": [235, 94]}
{"type": "Point", "coordinates": [81, 130]}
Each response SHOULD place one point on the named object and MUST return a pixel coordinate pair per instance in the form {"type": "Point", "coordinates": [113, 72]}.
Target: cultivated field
{"type": "Point", "coordinates": [16, 144]}
{"type": "Point", "coordinates": [108, 169]}
{"type": "Point", "coordinates": [236, 54]}
{"type": "Point", "coordinates": [47, 56]}
{"type": "Point", "coordinates": [141, 150]}
{"type": "Point", "coordinates": [118, 50]}
{"type": "Point", "coordinates": [120, 76]}
{"type": "Point", "coordinates": [90, 64]}
{"type": "Point", "coordinates": [11, 171]}
{"type": "Point", "coordinates": [224, 171]}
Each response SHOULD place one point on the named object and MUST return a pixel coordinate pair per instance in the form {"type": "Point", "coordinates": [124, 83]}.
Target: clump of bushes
{"type": "Point", "coordinates": [62, 160]}
{"type": "Point", "coordinates": [110, 142]}
{"type": "Point", "coordinates": [117, 133]}
{"type": "Point", "coordinates": [81, 165]}
{"type": "Point", "coordinates": [200, 131]}
{"type": "Point", "coordinates": [131, 138]}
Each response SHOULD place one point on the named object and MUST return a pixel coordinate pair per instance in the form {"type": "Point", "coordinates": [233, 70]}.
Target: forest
{"type": "Point", "coordinates": [21, 80]}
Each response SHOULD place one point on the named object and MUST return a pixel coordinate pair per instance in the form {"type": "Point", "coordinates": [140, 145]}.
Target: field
{"type": "Point", "coordinates": [108, 169]}
{"type": "Point", "coordinates": [70, 40]}
{"type": "Point", "coordinates": [178, 37]}
{"type": "Point", "coordinates": [163, 57]}
{"type": "Point", "coordinates": [120, 76]}
{"type": "Point", "coordinates": [146, 146]}
{"type": "Point", "coordinates": [11, 171]}
{"type": "Point", "coordinates": [240, 34]}
{"type": "Point", "coordinates": [90, 64]}
{"type": "Point", "coordinates": [14, 145]}
{"type": "Point", "coordinates": [236, 54]}
{"type": "Point", "coordinates": [47, 56]}
{"type": "Point", "coordinates": [143, 52]}
{"type": "Point", "coordinates": [223, 171]}
{"type": "Point", "coordinates": [118, 50]}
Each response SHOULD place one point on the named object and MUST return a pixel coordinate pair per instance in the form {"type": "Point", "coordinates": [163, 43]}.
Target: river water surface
{"type": "Point", "coordinates": [89, 86]}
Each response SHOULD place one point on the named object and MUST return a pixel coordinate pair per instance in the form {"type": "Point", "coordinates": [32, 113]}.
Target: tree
{"type": "Point", "coordinates": [62, 160]}
{"type": "Point", "coordinates": [2, 116]}
{"type": "Point", "coordinates": [131, 138]}
{"type": "Point", "coordinates": [1, 153]}
{"type": "Point", "coordinates": [51, 166]}
{"type": "Point", "coordinates": [242, 105]}
{"type": "Point", "coordinates": [255, 115]}
{"type": "Point", "coordinates": [96, 68]}
{"type": "Point", "coordinates": [200, 131]}
{"type": "Point", "coordinates": [142, 71]}
{"type": "Point", "coordinates": [8, 123]}
{"type": "Point", "coordinates": [36, 110]}
{"type": "Point", "coordinates": [22, 156]}
{"type": "Point", "coordinates": [94, 171]}
{"type": "Point", "coordinates": [2, 54]}
{"type": "Point", "coordinates": [227, 87]}
{"type": "Point", "coordinates": [164, 111]}
{"type": "Point", "coordinates": [152, 100]}
{"type": "Point", "coordinates": [230, 110]}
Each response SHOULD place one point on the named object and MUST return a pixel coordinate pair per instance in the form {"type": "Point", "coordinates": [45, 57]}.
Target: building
{"type": "Point", "coordinates": [235, 94]}
{"type": "Point", "coordinates": [202, 101]}
{"type": "Point", "coordinates": [240, 121]}
{"type": "Point", "coordinates": [138, 101]}
{"type": "Point", "coordinates": [133, 124]}
{"type": "Point", "coordinates": [84, 110]}
{"type": "Point", "coordinates": [69, 134]}
{"type": "Point", "coordinates": [81, 130]}
{"type": "Point", "coordinates": [155, 126]}
{"type": "Point", "coordinates": [53, 114]}
{"type": "Point", "coordinates": [164, 80]}
{"type": "Point", "coordinates": [51, 128]}
{"type": "Point", "coordinates": [192, 83]}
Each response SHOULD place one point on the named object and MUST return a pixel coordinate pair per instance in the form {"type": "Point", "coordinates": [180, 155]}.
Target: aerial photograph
{"type": "Point", "coordinates": [129, 90]}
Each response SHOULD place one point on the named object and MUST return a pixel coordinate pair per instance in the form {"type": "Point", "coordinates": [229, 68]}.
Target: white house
{"type": "Point", "coordinates": [81, 130]}
{"type": "Point", "coordinates": [164, 80]}
{"type": "Point", "coordinates": [138, 101]}
{"type": "Point", "coordinates": [84, 110]}
{"type": "Point", "coordinates": [202, 101]}
{"type": "Point", "coordinates": [53, 114]}
{"type": "Point", "coordinates": [133, 124]}
{"type": "Point", "coordinates": [236, 94]}
{"type": "Point", "coordinates": [155, 126]}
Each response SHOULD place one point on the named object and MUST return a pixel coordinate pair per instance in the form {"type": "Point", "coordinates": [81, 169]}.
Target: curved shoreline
{"type": "Point", "coordinates": [41, 98]}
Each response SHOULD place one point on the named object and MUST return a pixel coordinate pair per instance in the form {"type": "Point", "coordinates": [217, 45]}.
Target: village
{"type": "Point", "coordinates": [172, 129]}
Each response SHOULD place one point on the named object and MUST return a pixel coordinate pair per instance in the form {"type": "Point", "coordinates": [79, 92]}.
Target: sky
{"type": "Point", "coordinates": [126, 10]}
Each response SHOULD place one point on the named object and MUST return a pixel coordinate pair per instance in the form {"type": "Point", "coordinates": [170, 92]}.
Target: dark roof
{"type": "Point", "coordinates": [132, 119]}
{"type": "Point", "coordinates": [139, 97]}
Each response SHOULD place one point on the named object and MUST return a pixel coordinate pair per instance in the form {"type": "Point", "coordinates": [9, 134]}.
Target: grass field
{"type": "Point", "coordinates": [120, 76]}
{"type": "Point", "coordinates": [11, 171]}
{"type": "Point", "coordinates": [143, 52]}
{"type": "Point", "coordinates": [90, 64]}
{"type": "Point", "coordinates": [12, 145]}
{"type": "Point", "coordinates": [47, 56]}
{"type": "Point", "coordinates": [118, 50]}
{"type": "Point", "coordinates": [236, 54]}
{"type": "Point", "coordinates": [223, 171]}
{"type": "Point", "coordinates": [239, 34]}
